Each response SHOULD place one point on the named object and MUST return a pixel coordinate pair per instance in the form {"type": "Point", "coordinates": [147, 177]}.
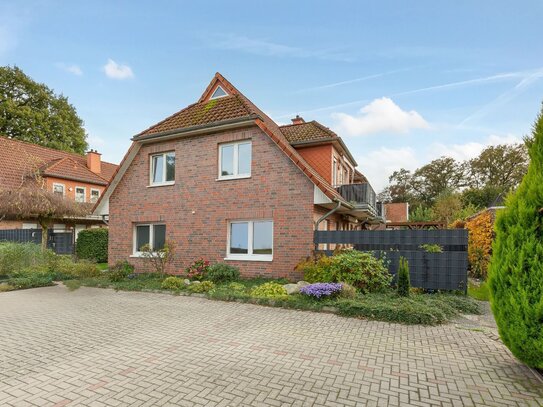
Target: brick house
{"type": "Point", "coordinates": [77, 177]}
{"type": "Point", "coordinates": [222, 181]}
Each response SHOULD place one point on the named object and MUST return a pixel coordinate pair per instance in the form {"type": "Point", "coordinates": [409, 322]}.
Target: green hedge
{"type": "Point", "coordinates": [92, 245]}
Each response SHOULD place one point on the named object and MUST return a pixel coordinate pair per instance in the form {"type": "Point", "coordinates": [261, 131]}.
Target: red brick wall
{"type": "Point", "coordinates": [68, 184]}
{"type": "Point", "coordinates": [397, 212]}
{"type": "Point", "coordinates": [197, 208]}
{"type": "Point", "coordinates": [320, 158]}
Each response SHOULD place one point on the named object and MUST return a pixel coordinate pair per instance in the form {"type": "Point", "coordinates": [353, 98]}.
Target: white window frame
{"type": "Point", "coordinates": [135, 252]}
{"type": "Point", "coordinates": [163, 182]}
{"type": "Point", "coordinates": [94, 190]}
{"type": "Point", "coordinates": [221, 96]}
{"type": "Point", "coordinates": [236, 174]}
{"type": "Point", "coordinates": [250, 230]}
{"type": "Point", "coordinates": [84, 193]}
{"type": "Point", "coordinates": [57, 184]}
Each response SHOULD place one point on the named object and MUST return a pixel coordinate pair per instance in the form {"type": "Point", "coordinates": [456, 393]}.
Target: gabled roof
{"type": "Point", "coordinates": [209, 113]}
{"type": "Point", "coordinates": [204, 112]}
{"type": "Point", "coordinates": [308, 131]}
{"type": "Point", "coordinates": [68, 168]}
{"type": "Point", "coordinates": [20, 160]}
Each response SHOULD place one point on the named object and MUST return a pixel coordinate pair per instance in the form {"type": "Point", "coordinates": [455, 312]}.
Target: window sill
{"type": "Point", "coordinates": [249, 258]}
{"type": "Point", "coordinates": [142, 255]}
{"type": "Point", "coordinates": [233, 178]}
{"type": "Point", "coordinates": [162, 184]}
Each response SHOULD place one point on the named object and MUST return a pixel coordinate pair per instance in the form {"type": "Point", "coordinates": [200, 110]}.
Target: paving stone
{"type": "Point", "coordinates": [96, 347]}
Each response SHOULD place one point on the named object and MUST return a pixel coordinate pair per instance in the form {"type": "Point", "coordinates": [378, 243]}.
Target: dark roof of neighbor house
{"type": "Point", "coordinates": [234, 106]}
{"type": "Point", "coordinates": [307, 131]}
{"type": "Point", "coordinates": [20, 160]}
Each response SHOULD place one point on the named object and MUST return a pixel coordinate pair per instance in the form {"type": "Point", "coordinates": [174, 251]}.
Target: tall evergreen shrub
{"type": "Point", "coordinates": [516, 269]}
{"type": "Point", "coordinates": [404, 283]}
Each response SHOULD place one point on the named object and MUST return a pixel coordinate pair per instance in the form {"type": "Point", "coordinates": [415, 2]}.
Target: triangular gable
{"type": "Point", "coordinates": [217, 82]}
{"type": "Point", "coordinates": [218, 93]}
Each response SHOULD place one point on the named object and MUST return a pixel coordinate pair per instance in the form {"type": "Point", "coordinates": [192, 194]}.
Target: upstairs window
{"type": "Point", "coordinates": [94, 195]}
{"type": "Point", "coordinates": [163, 168]}
{"type": "Point", "coordinates": [219, 93]}
{"type": "Point", "coordinates": [58, 189]}
{"type": "Point", "coordinates": [235, 160]}
{"type": "Point", "coordinates": [79, 194]}
{"type": "Point", "coordinates": [153, 235]}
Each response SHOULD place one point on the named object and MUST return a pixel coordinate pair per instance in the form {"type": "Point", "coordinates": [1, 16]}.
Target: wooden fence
{"type": "Point", "coordinates": [447, 270]}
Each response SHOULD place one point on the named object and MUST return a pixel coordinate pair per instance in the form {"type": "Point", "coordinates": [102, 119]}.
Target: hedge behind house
{"type": "Point", "coordinates": [92, 245]}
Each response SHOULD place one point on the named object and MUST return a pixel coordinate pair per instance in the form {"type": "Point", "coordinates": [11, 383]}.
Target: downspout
{"type": "Point", "coordinates": [323, 217]}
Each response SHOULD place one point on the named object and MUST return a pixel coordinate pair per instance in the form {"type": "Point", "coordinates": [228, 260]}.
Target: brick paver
{"type": "Point", "coordinates": [96, 347]}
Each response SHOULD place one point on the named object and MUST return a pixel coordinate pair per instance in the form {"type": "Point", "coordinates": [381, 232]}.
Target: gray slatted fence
{"type": "Point", "coordinates": [436, 271]}
{"type": "Point", "coordinates": [60, 242]}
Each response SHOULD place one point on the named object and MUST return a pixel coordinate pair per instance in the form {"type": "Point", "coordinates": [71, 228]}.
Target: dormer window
{"type": "Point", "coordinates": [219, 93]}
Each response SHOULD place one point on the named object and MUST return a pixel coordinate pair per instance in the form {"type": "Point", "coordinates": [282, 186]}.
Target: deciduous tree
{"type": "Point", "coordinates": [30, 111]}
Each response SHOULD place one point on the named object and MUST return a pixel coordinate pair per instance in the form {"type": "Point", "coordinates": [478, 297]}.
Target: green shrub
{"type": "Point", "coordinates": [31, 281]}
{"type": "Point", "coordinates": [404, 283]}
{"type": "Point", "coordinates": [316, 271]}
{"type": "Point", "coordinates": [425, 309]}
{"type": "Point", "coordinates": [348, 291]}
{"type": "Point", "coordinates": [222, 273]}
{"type": "Point", "coordinates": [65, 268]}
{"type": "Point", "coordinates": [203, 287]}
{"type": "Point", "coordinates": [516, 272]}
{"type": "Point", "coordinates": [120, 271]}
{"type": "Point", "coordinates": [17, 256]}
{"type": "Point", "coordinates": [173, 283]}
{"type": "Point", "coordinates": [236, 287]}
{"type": "Point", "coordinates": [361, 270]}
{"type": "Point", "coordinates": [479, 292]}
{"type": "Point", "coordinates": [431, 248]}
{"type": "Point", "coordinates": [92, 245]}
{"type": "Point", "coordinates": [4, 287]}
{"type": "Point", "coordinates": [269, 290]}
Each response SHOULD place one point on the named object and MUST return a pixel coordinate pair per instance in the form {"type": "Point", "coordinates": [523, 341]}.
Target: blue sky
{"type": "Point", "coordinates": [402, 83]}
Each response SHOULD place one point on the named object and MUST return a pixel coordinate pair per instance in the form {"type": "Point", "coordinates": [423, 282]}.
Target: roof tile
{"type": "Point", "coordinates": [20, 159]}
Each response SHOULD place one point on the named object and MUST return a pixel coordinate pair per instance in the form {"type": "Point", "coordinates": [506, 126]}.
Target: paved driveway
{"type": "Point", "coordinates": [96, 347]}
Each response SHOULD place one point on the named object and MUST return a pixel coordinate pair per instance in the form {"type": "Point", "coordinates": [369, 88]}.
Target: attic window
{"type": "Point", "coordinates": [219, 93]}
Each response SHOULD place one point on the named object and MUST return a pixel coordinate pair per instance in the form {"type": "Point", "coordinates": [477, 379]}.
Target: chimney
{"type": "Point", "coordinates": [298, 120]}
{"type": "Point", "coordinates": [94, 163]}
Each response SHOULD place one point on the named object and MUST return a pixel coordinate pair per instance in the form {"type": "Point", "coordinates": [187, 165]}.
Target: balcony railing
{"type": "Point", "coordinates": [362, 196]}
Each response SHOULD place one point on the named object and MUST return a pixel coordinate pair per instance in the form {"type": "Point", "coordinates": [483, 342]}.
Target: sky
{"type": "Point", "coordinates": [401, 82]}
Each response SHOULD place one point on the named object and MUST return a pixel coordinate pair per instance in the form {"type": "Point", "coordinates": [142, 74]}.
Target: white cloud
{"type": "Point", "coordinates": [268, 48]}
{"type": "Point", "coordinates": [467, 151]}
{"type": "Point", "coordinates": [381, 115]}
{"type": "Point", "coordinates": [114, 70]}
{"type": "Point", "coordinates": [378, 165]}
{"type": "Point", "coordinates": [73, 69]}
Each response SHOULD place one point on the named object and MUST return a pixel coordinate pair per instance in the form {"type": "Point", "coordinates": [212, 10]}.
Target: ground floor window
{"type": "Point", "coordinates": [152, 234]}
{"type": "Point", "coordinates": [250, 240]}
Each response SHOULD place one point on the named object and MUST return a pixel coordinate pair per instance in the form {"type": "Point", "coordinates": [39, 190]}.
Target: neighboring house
{"type": "Point", "coordinates": [221, 180]}
{"type": "Point", "coordinates": [77, 177]}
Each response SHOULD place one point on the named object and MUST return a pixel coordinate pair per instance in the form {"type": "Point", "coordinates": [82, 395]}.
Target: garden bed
{"type": "Point", "coordinates": [418, 308]}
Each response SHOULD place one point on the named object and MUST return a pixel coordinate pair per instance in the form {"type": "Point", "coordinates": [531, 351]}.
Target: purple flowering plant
{"type": "Point", "coordinates": [319, 290]}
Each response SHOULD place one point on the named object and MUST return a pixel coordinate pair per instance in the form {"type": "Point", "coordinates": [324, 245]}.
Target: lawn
{"type": "Point", "coordinates": [480, 291]}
